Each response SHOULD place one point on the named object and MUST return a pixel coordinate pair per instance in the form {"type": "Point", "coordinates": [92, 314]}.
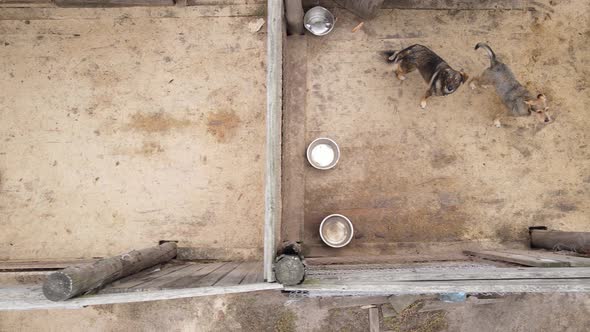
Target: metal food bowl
{"type": "Point", "coordinates": [319, 21]}
{"type": "Point", "coordinates": [323, 153]}
{"type": "Point", "coordinates": [336, 230]}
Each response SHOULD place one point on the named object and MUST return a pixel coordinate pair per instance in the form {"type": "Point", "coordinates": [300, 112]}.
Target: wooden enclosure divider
{"type": "Point", "coordinates": [274, 115]}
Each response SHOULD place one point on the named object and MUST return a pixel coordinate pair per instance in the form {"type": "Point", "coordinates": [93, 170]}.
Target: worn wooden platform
{"type": "Point", "coordinates": [177, 279]}
{"type": "Point", "coordinates": [443, 278]}
{"type": "Point", "coordinates": [179, 275]}
{"type": "Point", "coordinates": [539, 258]}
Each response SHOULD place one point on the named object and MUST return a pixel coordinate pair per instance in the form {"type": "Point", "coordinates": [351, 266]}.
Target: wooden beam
{"type": "Point", "coordinates": [31, 298]}
{"type": "Point", "coordinates": [522, 259]}
{"type": "Point", "coordinates": [112, 3]}
{"type": "Point", "coordinates": [558, 240]}
{"type": "Point", "coordinates": [390, 275]}
{"type": "Point", "coordinates": [36, 265]}
{"type": "Point", "coordinates": [351, 301]}
{"type": "Point", "coordinates": [79, 279]}
{"type": "Point", "coordinates": [274, 88]}
{"type": "Point", "coordinates": [433, 287]}
{"type": "Point", "coordinates": [374, 319]}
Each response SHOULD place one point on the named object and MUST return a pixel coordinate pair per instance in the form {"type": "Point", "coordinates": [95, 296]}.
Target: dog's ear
{"type": "Point", "coordinates": [542, 98]}
{"type": "Point", "coordinates": [464, 76]}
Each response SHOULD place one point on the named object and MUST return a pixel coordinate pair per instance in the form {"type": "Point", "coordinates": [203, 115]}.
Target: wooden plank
{"type": "Point", "coordinates": [21, 278]}
{"type": "Point", "coordinates": [236, 276]}
{"type": "Point", "coordinates": [36, 265]}
{"type": "Point", "coordinates": [26, 3]}
{"type": "Point", "coordinates": [374, 259]}
{"type": "Point", "coordinates": [433, 287]}
{"type": "Point", "coordinates": [450, 274]}
{"type": "Point", "coordinates": [456, 5]}
{"type": "Point", "coordinates": [525, 260]}
{"type": "Point", "coordinates": [374, 319]}
{"type": "Point", "coordinates": [31, 298]}
{"type": "Point", "coordinates": [274, 88]}
{"type": "Point", "coordinates": [558, 240]}
{"type": "Point", "coordinates": [253, 274]}
{"type": "Point", "coordinates": [294, 145]}
{"type": "Point", "coordinates": [136, 12]}
{"type": "Point", "coordinates": [574, 261]}
{"type": "Point", "coordinates": [112, 3]}
{"type": "Point", "coordinates": [149, 275]}
{"type": "Point", "coordinates": [214, 276]}
{"type": "Point", "coordinates": [439, 4]}
{"type": "Point", "coordinates": [351, 301]}
{"type": "Point", "coordinates": [182, 278]}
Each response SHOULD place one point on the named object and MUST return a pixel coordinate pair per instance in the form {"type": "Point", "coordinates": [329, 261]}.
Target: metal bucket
{"type": "Point", "coordinates": [319, 21]}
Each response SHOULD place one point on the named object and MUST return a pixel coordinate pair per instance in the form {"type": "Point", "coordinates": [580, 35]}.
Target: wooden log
{"type": "Point", "coordinates": [366, 9]}
{"type": "Point", "coordinates": [558, 240]}
{"type": "Point", "coordinates": [293, 149]}
{"type": "Point", "coordinates": [79, 279]}
{"type": "Point", "coordinates": [289, 270]}
{"type": "Point", "coordinates": [294, 15]}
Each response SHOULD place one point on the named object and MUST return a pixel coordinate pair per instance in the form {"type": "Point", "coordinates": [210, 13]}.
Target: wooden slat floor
{"type": "Point", "coordinates": [182, 274]}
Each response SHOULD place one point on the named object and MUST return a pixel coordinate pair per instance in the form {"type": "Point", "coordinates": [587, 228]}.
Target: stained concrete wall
{"type": "Point", "coordinates": [123, 127]}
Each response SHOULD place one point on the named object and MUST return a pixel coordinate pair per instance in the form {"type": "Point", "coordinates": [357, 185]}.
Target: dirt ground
{"type": "Point", "coordinates": [123, 127]}
{"type": "Point", "coordinates": [108, 143]}
{"type": "Point", "coordinates": [446, 173]}
{"type": "Point", "coordinates": [274, 311]}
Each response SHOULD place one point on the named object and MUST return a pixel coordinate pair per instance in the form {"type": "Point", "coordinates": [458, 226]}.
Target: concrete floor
{"type": "Point", "coordinates": [446, 173]}
{"type": "Point", "coordinates": [123, 127]}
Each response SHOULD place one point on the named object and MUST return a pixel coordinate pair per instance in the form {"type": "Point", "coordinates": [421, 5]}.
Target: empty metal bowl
{"type": "Point", "coordinates": [336, 230]}
{"type": "Point", "coordinates": [319, 21]}
{"type": "Point", "coordinates": [323, 153]}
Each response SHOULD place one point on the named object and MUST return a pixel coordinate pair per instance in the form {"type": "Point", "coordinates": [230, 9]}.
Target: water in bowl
{"type": "Point", "coordinates": [323, 155]}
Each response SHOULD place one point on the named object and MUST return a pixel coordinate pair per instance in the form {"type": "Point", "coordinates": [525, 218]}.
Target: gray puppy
{"type": "Point", "coordinates": [518, 100]}
{"type": "Point", "coordinates": [441, 78]}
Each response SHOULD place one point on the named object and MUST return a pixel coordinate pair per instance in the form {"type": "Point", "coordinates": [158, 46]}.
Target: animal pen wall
{"type": "Point", "coordinates": [125, 127]}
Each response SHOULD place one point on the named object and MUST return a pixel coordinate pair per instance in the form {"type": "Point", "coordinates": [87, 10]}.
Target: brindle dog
{"type": "Point", "coordinates": [441, 78]}
{"type": "Point", "coordinates": [518, 100]}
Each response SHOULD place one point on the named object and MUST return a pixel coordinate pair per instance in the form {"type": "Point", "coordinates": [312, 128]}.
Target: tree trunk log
{"type": "Point", "coordinates": [366, 9]}
{"type": "Point", "coordinates": [558, 240]}
{"type": "Point", "coordinates": [79, 279]}
{"type": "Point", "coordinates": [294, 15]}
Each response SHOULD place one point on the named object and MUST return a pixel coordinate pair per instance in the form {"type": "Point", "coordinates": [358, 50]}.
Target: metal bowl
{"type": "Point", "coordinates": [336, 230]}
{"type": "Point", "coordinates": [323, 153]}
{"type": "Point", "coordinates": [319, 21]}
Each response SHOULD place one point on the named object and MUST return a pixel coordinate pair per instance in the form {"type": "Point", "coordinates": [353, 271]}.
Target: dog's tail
{"type": "Point", "coordinates": [391, 55]}
{"type": "Point", "coordinates": [488, 49]}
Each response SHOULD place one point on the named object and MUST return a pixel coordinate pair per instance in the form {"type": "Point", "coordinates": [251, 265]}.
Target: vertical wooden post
{"type": "Point", "coordinates": [274, 89]}
{"type": "Point", "coordinates": [558, 240]}
{"type": "Point", "coordinates": [374, 319]}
